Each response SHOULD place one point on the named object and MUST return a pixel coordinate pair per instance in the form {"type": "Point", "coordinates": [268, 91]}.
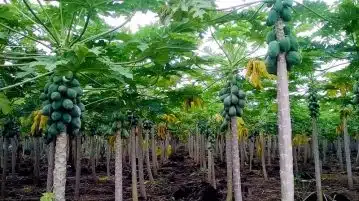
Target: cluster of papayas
{"type": "Point", "coordinates": [120, 124]}
{"type": "Point", "coordinates": [281, 9]}
{"type": "Point", "coordinates": [62, 104]}
{"type": "Point", "coordinates": [132, 118]}
{"type": "Point", "coordinates": [313, 104]}
{"type": "Point", "coordinates": [147, 124]}
{"type": "Point", "coordinates": [233, 98]}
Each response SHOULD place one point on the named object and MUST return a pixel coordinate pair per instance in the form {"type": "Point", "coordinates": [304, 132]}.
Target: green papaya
{"type": "Point", "coordinates": [76, 122]}
{"type": "Point", "coordinates": [75, 83]}
{"type": "Point", "coordinates": [287, 3]}
{"type": "Point", "coordinates": [223, 97]}
{"type": "Point", "coordinates": [76, 111]}
{"type": "Point", "coordinates": [241, 94]}
{"type": "Point", "coordinates": [71, 93]}
{"type": "Point", "coordinates": [271, 64]}
{"type": "Point", "coordinates": [222, 92]}
{"type": "Point", "coordinates": [52, 130]}
{"type": "Point", "coordinates": [241, 103]}
{"type": "Point", "coordinates": [272, 17]}
{"type": "Point", "coordinates": [61, 127]}
{"type": "Point", "coordinates": [56, 79]}
{"type": "Point", "coordinates": [69, 75]}
{"type": "Point", "coordinates": [46, 88]}
{"type": "Point", "coordinates": [227, 101]}
{"type": "Point", "coordinates": [81, 106]}
{"type": "Point", "coordinates": [79, 91]}
{"type": "Point", "coordinates": [46, 110]}
{"type": "Point", "coordinates": [284, 44]}
{"type": "Point", "coordinates": [62, 89]}
{"type": "Point", "coordinates": [232, 111]}
{"type": "Point", "coordinates": [286, 14]}
{"type": "Point", "coordinates": [270, 36]}
{"type": "Point", "coordinates": [294, 46]}
{"type": "Point", "coordinates": [293, 58]}
{"type": "Point", "coordinates": [234, 99]}
{"type": "Point", "coordinates": [287, 30]}
{"type": "Point", "coordinates": [53, 88]}
{"type": "Point", "coordinates": [278, 5]}
{"type": "Point", "coordinates": [55, 96]}
{"type": "Point", "coordinates": [67, 104]}
{"type": "Point", "coordinates": [239, 111]}
{"type": "Point", "coordinates": [55, 116]}
{"type": "Point", "coordinates": [56, 105]}
{"type": "Point", "coordinates": [46, 102]}
{"type": "Point", "coordinates": [234, 89]}
{"type": "Point", "coordinates": [66, 118]}
{"type": "Point", "coordinates": [43, 96]}
{"type": "Point", "coordinates": [273, 49]}
{"type": "Point", "coordinates": [224, 126]}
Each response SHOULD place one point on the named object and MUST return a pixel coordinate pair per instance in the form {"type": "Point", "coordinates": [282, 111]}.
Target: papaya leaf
{"type": "Point", "coordinates": [5, 106]}
{"type": "Point", "coordinates": [122, 71]}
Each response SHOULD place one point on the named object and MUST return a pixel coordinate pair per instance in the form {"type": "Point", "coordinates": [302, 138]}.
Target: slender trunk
{"type": "Point", "coordinates": [251, 153]}
{"type": "Point", "coordinates": [118, 168]}
{"type": "Point", "coordinates": [347, 154]}
{"type": "Point", "coordinates": [213, 174]}
{"type": "Point", "coordinates": [235, 161]}
{"type": "Point", "coordinates": [60, 167]}
{"type": "Point", "coordinates": [50, 166]}
{"type": "Point", "coordinates": [241, 150]}
{"type": "Point", "coordinates": [78, 167]}
{"type": "Point", "coordinates": [263, 158]}
{"type": "Point", "coordinates": [36, 161]}
{"type": "Point", "coordinates": [197, 148]}
{"type": "Point", "coordinates": [295, 158]}
{"type": "Point", "coordinates": [269, 148]}
{"type": "Point", "coordinates": [140, 163]}
{"type": "Point", "coordinates": [13, 156]}
{"type": "Point", "coordinates": [324, 151]}
{"type": "Point", "coordinates": [284, 123]}
{"type": "Point", "coordinates": [204, 152]}
{"type": "Point", "coordinates": [133, 165]}
{"type": "Point", "coordinates": [306, 153]}
{"type": "Point", "coordinates": [153, 151]}
{"type": "Point", "coordinates": [147, 154]}
{"type": "Point", "coordinates": [315, 148]}
{"type": "Point", "coordinates": [221, 148]}
{"type": "Point", "coordinates": [3, 176]}
{"type": "Point", "coordinates": [108, 159]}
{"type": "Point", "coordinates": [229, 196]}
{"type": "Point", "coordinates": [93, 158]}
{"type": "Point", "coordinates": [209, 170]}
{"type": "Point", "coordinates": [340, 154]}
{"type": "Point", "coordinates": [357, 158]}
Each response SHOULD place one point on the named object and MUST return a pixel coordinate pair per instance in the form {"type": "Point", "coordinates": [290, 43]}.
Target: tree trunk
{"type": "Point", "coordinates": [209, 170]}
{"type": "Point", "coordinates": [241, 150]}
{"type": "Point", "coordinates": [140, 163]}
{"type": "Point", "coordinates": [93, 158]}
{"type": "Point", "coordinates": [118, 168]}
{"type": "Point", "coordinates": [229, 196]}
{"type": "Point", "coordinates": [13, 156]}
{"type": "Point", "coordinates": [340, 154]}
{"type": "Point", "coordinates": [295, 158]}
{"type": "Point", "coordinates": [213, 174]}
{"type": "Point", "coordinates": [36, 161]}
{"type": "Point", "coordinates": [306, 151]}
{"type": "Point", "coordinates": [263, 158]}
{"type": "Point", "coordinates": [347, 154]}
{"type": "Point", "coordinates": [269, 148]}
{"type": "Point", "coordinates": [357, 158]}
{"type": "Point", "coordinates": [235, 161]}
{"type": "Point", "coordinates": [324, 151]}
{"type": "Point", "coordinates": [78, 166]}
{"type": "Point", "coordinates": [108, 160]}
{"type": "Point", "coordinates": [284, 123]}
{"type": "Point", "coordinates": [251, 153]}
{"type": "Point", "coordinates": [60, 167]}
{"type": "Point", "coordinates": [3, 176]}
{"type": "Point", "coordinates": [147, 154]}
{"type": "Point", "coordinates": [153, 151]}
{"type": "Point", "coordinates": [133, 165]}
{"type": "Point", "coordinates": [318, 180]}
{"type": "Point", "coordinates": [50, 166]}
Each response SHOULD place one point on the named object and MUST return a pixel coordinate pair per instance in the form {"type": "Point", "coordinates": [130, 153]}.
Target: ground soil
{"type": "Point", "coordinates": [180, 179]}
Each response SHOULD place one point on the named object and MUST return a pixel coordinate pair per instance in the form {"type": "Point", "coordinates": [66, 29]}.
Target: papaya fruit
{"type": "Point", "coordinates": [222, 92]}
{"type": "Point", "coordinates": [232, 111]}
{"type": "Point", "coordinates": [79, 91]}
{"type": "Point", "coordinates": [52, 130]}
{"type": "Point", "coordinates": [273, 49]}
{"type": "Point", "coordinates": [241, 103]}
{"type": "Point", "coordinates": [293, 58]}
{"type": "Point", "coordinates": [69, 75]}
{"type": "Point", "coordinates": [56, 105]}
{"type": "Point", "coordinates": [62, 89]}
{"type": "Point", "coordinates": [56, 79]}
{"type": "Point", "coordinates": [76, 111]}
{"type": "Point", "coordinates": [55, 116]}
{"type": "Point", "coordinates": [61, 127]}
{"type": "Point", "coordinates": [66, 118]}
{"type": "Point", "coordinates": [294, 46]}
{"type": "Point", "coordinates": [81, 106]}
{"type": "Point", "coordinates": [284, 44]}
{"type": "Point", "coordinates": [75, 83]}
{"type": "Point", "coordinates": [46, 88]}
{"type": "Point", "coordinates": [278, 5]}
{"type": "Point", "coordinates": [286, 14]}
{"type": "Point", "coordinates": [234, 99]}
{"type": "Point", "coordinates": [239, 111]}
{"type": "Point", "coordinates": [234, 89]}
{"type": "Point", "coordinates": [71, 93]}
{"type": "Point", "coordinates": [227, 101]}
{"type": "Point", "coordinates": [43, 96]}
{"type": "Point", "coordinates": [223, 97]}
{"type": "Point", "coordinates": [52, 88]}
{"type": "Point", "coordinates": [272, 17]}
{"type": "Point", "coordinates": [46, 110]}
{"type": "Point", "coordinates": [287, 3]}
{"type": "Point", "coordinates": [287, 30]}
{"type": "Point", "coordinates": [271, 64]}
{"type": "Point", "coordinates": [67, 104]}
{"type": "Point", "coordinates": [241, 94]}
{"type": "Point", "coordinates": [55, 96]}
{"type": "Point", "coordinates": [270, 36]}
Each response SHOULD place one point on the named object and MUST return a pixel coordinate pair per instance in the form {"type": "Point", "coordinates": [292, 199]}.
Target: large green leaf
{"type": "Point", "coordinates": [5, 105]}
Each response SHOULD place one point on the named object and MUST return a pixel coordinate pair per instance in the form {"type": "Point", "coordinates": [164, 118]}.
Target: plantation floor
{"type": "Point", "coordinates": [180, 179]}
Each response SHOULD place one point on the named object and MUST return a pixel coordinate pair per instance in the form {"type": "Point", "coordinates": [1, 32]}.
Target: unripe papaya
{"type": "Point", "coordinates": [284, 44]}
{"type": "Point", "coordinates": [272, 17]}
{"type": "Point", "coordinates": [273, 49]}
{"type": "Point", "coordinates": [293, 58]}
{"type": "Point", "coordinates": [232, 111]}
{"type": "Point", "coordinates": [286, 14]}
{"type": "Point", "coordinates": [278, 5]}
{"type": "Point", "coordinates": [270, 36]}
